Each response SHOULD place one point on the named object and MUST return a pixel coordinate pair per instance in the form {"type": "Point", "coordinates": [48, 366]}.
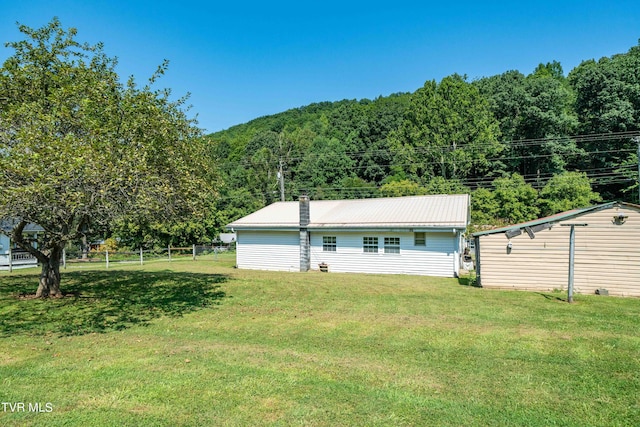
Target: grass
{"type": "Point", "coordinates": [201, 343]}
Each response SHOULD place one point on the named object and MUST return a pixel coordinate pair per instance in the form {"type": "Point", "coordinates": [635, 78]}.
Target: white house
{"type": "Point", "coordinates": [420, 235]}
{"type": "Point", "coordinates": [10, 256]}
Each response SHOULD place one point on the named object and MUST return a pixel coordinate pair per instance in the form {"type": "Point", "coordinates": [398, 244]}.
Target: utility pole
{"type": "Point", "coordinates": [281, 179]}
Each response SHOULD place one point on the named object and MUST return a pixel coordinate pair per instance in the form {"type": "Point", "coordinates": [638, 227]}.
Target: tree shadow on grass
{"type": "Point", "coordinates": [468, 280]}
{"type": "Point", "coordinates": [102, 301]}
{"type": "Point", "coordinates": [552, 297]}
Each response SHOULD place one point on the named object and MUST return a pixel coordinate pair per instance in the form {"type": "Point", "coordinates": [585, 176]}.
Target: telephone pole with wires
{"type": "Point", "coordinates": [281, 180]}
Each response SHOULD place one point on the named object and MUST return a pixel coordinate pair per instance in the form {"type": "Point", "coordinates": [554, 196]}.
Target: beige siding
{"type": "Point", "coordinates": [606, 256]}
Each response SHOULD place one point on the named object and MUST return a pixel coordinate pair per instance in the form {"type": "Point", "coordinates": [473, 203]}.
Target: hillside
{"type": "Point", "coordinates": [512, 132]}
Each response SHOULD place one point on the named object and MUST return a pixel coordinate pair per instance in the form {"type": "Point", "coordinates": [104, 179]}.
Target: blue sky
{"type": "Point", "coordinates": [242, 60]}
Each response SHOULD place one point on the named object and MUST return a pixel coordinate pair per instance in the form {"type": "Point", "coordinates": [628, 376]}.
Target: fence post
{"type": "Point", "coordinates": [107, 257]}
{"type": "Point", "coordinates": [194, 252]}
{"type": "Point", "coordinates": [141, 258]}
{"type": "Point", "coordinates": [169, 253]}
{"type": "Point", "coordinates": [10, 258]}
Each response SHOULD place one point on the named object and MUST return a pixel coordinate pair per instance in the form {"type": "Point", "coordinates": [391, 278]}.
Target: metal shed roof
{"type": "Point", "coordinates": [562, 216]}
{"type": "Point", "coordinates": [434, 211]}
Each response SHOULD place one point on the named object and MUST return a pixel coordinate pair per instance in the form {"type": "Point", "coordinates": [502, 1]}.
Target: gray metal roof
{"type": "Point", "coordinates": [434, 211]}
{"type": "Point", "coordinates": [7, 225]}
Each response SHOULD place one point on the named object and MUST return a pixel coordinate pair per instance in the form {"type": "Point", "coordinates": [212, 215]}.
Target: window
{"type": "Point", "coordinates": [391, 245]}
{"type": "Point", "coordinates": [370, 244]}
{"type": "Point", "coordinates": [419, 239]}
{"type": "Point", "coordinates": [328, 243]}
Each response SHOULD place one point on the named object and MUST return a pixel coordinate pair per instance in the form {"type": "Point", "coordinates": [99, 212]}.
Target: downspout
{"type": "Point", "coordinates": [305, 246]}
{"type": "Point", "coordinates": [456, 257]}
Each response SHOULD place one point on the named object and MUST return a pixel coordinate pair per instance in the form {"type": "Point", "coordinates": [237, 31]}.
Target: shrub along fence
{"type": "Point", "coordinates": [145, 255]}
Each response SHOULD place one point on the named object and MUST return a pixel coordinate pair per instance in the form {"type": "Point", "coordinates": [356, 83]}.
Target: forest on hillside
{"type": "Point", "coordinates": [521, 145]}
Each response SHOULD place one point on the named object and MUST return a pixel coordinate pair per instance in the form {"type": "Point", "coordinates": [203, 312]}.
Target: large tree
{"type": "Point", "coordinates": [608, 103]}
{"type": "Point", "coordinates": [566, 191]}
{"type": "Point", "coordinates": [536, 118]}
{"type": "Point", "coordinates": [448, 131]}
{"type": "Point", "coordinates": [515, 199]}
{"type": "Point", "coordinates": [80, 150]}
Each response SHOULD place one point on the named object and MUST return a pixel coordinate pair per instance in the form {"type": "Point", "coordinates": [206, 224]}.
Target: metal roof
{"type": "Point", "coordinates": [434, 211]}
{"type": "Point", "coordinates": [8, 225]}
{"type": "Point", "coordinates": [562, 216]}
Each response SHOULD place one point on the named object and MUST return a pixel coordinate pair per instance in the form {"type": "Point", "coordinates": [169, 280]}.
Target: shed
{"type": "Point", "coordinates": [420, 235]}
{"type": "Point", "coordinates": [535, 255]}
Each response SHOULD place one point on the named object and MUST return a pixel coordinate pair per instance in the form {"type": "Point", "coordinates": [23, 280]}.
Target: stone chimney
{"type": "Point", "coordinates": [305, 244]}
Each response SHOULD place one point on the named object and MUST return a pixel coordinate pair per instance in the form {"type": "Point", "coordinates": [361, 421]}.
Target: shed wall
{"type": "Point", "coordinates": [268, 250]}
{"type": "Point", "coordinates": [436, 258]}
{"type": "Point", "coordinates": [606, 256]}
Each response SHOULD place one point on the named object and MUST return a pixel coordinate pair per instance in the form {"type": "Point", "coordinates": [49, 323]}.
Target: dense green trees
{"type": "Point", "coordinates": [448, 131]}
{"type": "Point", "coordinates": [522, 145]}
{"type": "Point", "coordinates": [568, 190]}
{"type": "Point", "coordinates": [608, 101]}
{"type": "Point", "coordinates": [80, 152]}
{"type": "Point", "coordinates": [536, 115]}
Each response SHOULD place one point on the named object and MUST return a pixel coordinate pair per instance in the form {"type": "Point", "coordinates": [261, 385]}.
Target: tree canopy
{"type": "Point", "coordinates": [448, 131]}
{"type": "Point", "coordinates": [80, 151]}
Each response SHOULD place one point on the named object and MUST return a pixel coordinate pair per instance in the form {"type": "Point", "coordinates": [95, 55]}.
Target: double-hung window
{"type": "Point", "coordinates": [419, 239]}
{"type": "Point", "coordinates": [328, 243]}
{"type": "Point", "coordinates": [370, 244]}
{"type": "Point", "coordinates": [391, 245]}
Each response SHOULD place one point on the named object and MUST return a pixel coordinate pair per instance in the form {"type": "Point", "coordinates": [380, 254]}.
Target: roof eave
{"type": "Point", "coordinates": [346, 227]}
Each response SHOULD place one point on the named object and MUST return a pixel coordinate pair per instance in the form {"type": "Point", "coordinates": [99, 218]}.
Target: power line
{"type": "Point", "coordinates": [599, 137]}
{"type": "Point", "coordinates": [599, 176]}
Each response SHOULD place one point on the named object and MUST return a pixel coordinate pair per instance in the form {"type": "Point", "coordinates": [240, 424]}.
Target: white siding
{"type": "Point", "coordinates": [4, 244]}
{"type": "Point", "coordinates": [4, 250]}
{"type": "Point", "coordinates": [268, 250]}
{"type": "Point", "coordinates": [436, 258]}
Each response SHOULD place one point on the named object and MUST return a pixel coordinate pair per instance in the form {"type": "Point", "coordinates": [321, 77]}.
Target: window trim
{"type": "Point", "coordinates": [390, 245]}
{"type": "Point", "coordinates": [329, 244]}
{"type": "Point", "coordinates": [370, 245]}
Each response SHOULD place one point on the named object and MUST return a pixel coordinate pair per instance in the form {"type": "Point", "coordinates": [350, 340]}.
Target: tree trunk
{"type": "Point", "coordinates": [85, 248]}
{"type": "Point", "coordinates": [49, 286]}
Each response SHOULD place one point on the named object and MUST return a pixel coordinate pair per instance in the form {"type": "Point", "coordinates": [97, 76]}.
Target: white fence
{"type": "Point", "coordinates": [141, 256]}
{"type": "Point", "coordinates": [17, 259]}
{"type": "Point", "coordinates": [12, 260]}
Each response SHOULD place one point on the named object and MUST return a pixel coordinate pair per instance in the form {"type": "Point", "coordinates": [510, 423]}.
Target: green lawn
{"type": "Point", "coordinates": [200, 343]}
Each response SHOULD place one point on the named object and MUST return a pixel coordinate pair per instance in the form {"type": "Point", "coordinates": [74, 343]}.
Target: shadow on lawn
{"type": "Point", "coordinates": [101, 301]}
{"type": "Point", "coordinates": [552, 297]}
{"type": "Point", "coordinates": [468, 280]}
